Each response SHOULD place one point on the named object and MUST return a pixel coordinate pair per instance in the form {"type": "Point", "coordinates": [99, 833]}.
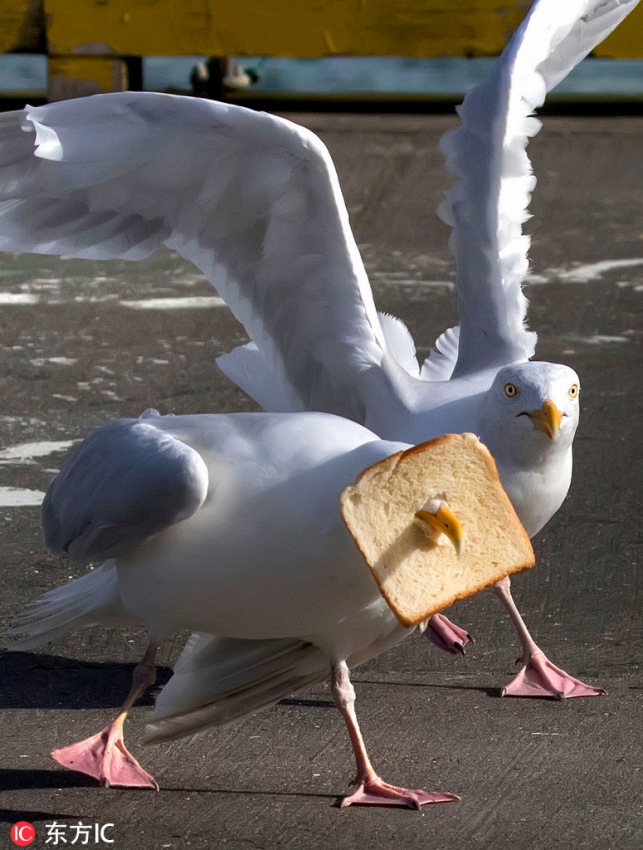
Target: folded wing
{"type": "Point", "coordinates": [126, 482]}
{"type": "Point", "coordinates": [217, 680]}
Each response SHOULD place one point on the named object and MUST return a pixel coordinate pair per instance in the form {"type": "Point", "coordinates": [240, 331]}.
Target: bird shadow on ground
{"type": "Point", "coordinates": [22, 780]}
{"type": "Point", "coordinates": [32, 816]}
{"type": "Point", "coordinates": [34, 680]}
{"type": "Point", "coordinates": [244, 792]}
{"type": "Point", "coordinates": [307, 703]}
{"type": "Point", "coordinates": [16, 779]}
{"type": "Point", "coordinates": [488, 691]}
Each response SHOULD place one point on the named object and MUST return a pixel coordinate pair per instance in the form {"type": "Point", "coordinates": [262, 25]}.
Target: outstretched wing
{"type": "Point", "coordinates": [253, 200]}
{"type": "Point", "coordinates": [122, 484]}
{"type": "Point", "coordinates": [488, 204]}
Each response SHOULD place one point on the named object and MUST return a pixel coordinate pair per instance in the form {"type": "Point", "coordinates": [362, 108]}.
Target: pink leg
{"type": "Point", "coordinates": [371, 790]}
{"type": "Point", "coordinates": [538, 677]}
{"type": "Point", "coordinates": [104, 756]}
{"type": "Point", "coordinates": [446, 635]}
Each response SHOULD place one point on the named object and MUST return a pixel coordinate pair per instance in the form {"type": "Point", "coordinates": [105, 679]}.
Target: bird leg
{"type": "Point", "coordinates": [446, 635]}
{"type": "Point", "coordinates": [371, 790]}
{"type": "Point", "coordinates": [104, 756]}
{"type": "Point", "coordinates": [538, 677]}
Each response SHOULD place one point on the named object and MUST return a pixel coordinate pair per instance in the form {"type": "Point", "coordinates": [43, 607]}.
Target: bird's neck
{"type": "Point", "coordinates": [402, 407]}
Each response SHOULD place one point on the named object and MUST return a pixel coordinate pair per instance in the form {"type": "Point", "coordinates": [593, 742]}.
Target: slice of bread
{"type": "Point", "coordinates": [419, 575]}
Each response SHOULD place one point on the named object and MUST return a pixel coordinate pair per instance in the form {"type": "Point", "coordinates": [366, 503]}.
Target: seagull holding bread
{"type": "Point", "coordinates": [254, 201]}
{"type": "Point", "coordinates": [229, 525]}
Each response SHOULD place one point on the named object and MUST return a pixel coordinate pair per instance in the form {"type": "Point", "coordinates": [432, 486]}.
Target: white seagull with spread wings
{"type": "Point", "coordinates": [254, 201]}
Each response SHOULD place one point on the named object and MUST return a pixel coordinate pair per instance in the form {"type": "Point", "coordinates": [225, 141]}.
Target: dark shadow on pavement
{"type": "Point", "coordinates": [490, 692]}
{"type": "Point", "coordinates": [35, 680]}
{"type": "Point", "coordinates": [245, 792]}
{"type": "Point", "coordinates": [17, 779]}
{"type": "Point", "coordinates": [308, 703]}
{"type": "Point", "coordinates": [14, 815]}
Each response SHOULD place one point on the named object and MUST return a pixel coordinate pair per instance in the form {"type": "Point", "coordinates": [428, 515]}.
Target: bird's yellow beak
{"type": "Point", "coordinates": [547, 419]}
{"type": "Point", "coordinates": [444, 521]}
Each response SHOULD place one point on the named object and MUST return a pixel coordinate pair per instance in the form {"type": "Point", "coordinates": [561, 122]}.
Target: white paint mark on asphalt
{"type": "Point", "coordinates": [11, 299]}
{"type": "Point", "coordinates": [57, 361]}
{"type": "Point", "coordinates": [15, 497]}
{"type": "Point", "coordinates": [24, 453]}
{"type": "Point", "coordinates": [599, 339]}
{"type": "Point", "coordinates": [426, 284]}
{"type": "Point", "coordinates": [63, 361]}
{"type": "Point", "coordinates": [189, 303]}
{"type": "Point", "coordinates": [401, 278]}
{"type": "Point", "coordinates": [41, 284]}
{"type": "Point", "coordinates": [595, 271]}
{"type": "Point", "coordinates": [24, 420]}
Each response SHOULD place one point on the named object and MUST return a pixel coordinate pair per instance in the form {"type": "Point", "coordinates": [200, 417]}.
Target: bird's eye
{"type": "Point", "coordinates": [511, 390]}
{"type": "Point", "coordinates": [573, 391]}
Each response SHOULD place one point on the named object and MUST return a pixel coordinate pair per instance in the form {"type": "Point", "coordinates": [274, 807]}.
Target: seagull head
{"type": "Point", "coordinates": [531, 411]}
{"type": "Point", "coordinates": [436, 518]}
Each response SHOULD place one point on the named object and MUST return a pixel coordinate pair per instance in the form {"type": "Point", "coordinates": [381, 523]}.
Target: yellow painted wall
{"type": "Point", "coordinates": [302, 28]}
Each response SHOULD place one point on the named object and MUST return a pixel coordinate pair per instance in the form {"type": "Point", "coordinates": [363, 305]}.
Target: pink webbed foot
{"type": "Point", "coordinates": [540, 678]}
{"type": "Point", "coordinates": [106, 758]}
{"type": "Point", "coordinates": [446, 635]}
{"type": "Point", "coordinates": [375, 792]}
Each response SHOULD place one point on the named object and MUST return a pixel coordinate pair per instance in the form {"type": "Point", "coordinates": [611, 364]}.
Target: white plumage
{"type": "Point", "coordinates": [246, 503]}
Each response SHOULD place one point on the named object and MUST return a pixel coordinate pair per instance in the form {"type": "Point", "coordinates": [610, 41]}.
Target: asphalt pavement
{"type": "Point", "coordinates": [83, 342]}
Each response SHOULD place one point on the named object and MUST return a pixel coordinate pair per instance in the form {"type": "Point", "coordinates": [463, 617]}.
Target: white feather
{"type": "Point", "coordinates": [440, 363]}
{"type": "Point", "coordinates": [219, 680]}
{"type": "Point", "coordinates": [253, 200]}
{"type": "Point", "coordinates": [400, 343]}
{"type": "Point", "coordinates": [246, 367]}
{"type": "Point", "coordinates": [488, 204]}
{"type": "Point", "coordinates": [92, 599]}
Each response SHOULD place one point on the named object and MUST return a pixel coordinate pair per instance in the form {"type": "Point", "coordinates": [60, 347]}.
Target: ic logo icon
{"type": "Point", "coordinates": [22, 833]}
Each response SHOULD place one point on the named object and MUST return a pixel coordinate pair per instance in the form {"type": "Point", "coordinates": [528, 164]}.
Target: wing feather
{"type": "Point", "coordinates": [253, 200]}
{"type": "Point", "coordinates": [488, 204]}
{"type": "Point", "coordinates": [122, 484]}
{"type": "Point", "coordinates": [218, 680]}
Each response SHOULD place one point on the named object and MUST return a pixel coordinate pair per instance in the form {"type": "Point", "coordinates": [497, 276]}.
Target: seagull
{"type": "Point", "coordinates": [254, 202]}
{"type": "Point", "coordinates": [228, 525]}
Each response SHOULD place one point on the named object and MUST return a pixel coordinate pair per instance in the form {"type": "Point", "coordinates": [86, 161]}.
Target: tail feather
{"type": "Point", "coordinates": [219, 680]}
{"type": "Point", "coordinates": [89, 600]}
